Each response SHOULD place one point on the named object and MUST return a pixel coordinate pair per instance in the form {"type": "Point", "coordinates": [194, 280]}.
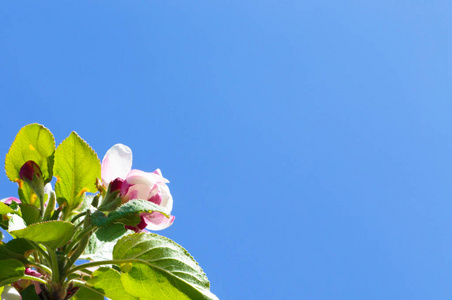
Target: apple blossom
{"type": "Point", "coordinates": [117, 173]}
{"type": "Point", "coordinates": [53, 230]}
{"type": "Point", "coordinates": [10, 200]}
{"type": "Point", "coordinates": [22, 284]}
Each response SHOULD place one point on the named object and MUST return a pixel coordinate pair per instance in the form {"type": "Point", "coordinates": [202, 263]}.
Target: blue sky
{"type": "Point", "coordinates": [308, 143]}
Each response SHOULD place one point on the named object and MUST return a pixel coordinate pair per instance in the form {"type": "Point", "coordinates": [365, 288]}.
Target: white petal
{"type": "Point", "coordinates": [48, 188]}
{"type": "Point", "coordinates": [117, 163]}
{"type": "Point", "coordinates": [10, 293]}
{"type": "Point", "coordinates": [167, 199]}
{"type": "Point", "coordinates": [138, 191]}
{"type": "Point", "coordinates": [157, 221]}
{"type": "Point", "coordinates": [141, 177]}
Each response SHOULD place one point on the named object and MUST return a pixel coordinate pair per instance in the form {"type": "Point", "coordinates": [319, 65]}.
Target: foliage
{"type": "Point", "coordinates": [52, 230]}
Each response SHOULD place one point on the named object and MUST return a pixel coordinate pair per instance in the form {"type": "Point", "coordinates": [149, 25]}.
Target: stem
{"type": "Point", "coordinates": [78, 216]}
{"type": "Point", "coordinates": [41, 204]}
{"type": "Point", "coordinates": [32, 278]}
{"type": "Point", "coordinates": [40, 250]}
{"type": "Point", "coordinates": [54, 264]}
{"type": "Point", "coordinates": [80, 283]}
{"type": "Point", "coordinates": [78, 237]}
{"type": "Point", "coordinates": [26, 277]}
{"type": "Point", "coordinates": [40, 266]}
{"type": "Point", "coordinates": [113, 262]}
{"type": "Point", "coordinates": [78, 251]}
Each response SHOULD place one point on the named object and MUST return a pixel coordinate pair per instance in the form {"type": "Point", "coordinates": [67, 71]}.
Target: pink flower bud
{"type": "Point", "coordinates": [135, 184]}
{"type": "Point", "coordinates": [116, 185]}
{"type": "Point", "coordinates": [24, 283]}
{"type": "Point", "coordinates": [29, 169]}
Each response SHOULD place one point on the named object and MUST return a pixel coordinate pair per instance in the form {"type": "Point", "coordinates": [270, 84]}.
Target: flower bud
{"type": "Point", "coordinates": [28, 170]}
{"type": "Point", "coordinates": [116, 185]}
{"type": "Point", "coordinates": [31, 174]}
{"type": "Point", "coordinates": [22, 284]}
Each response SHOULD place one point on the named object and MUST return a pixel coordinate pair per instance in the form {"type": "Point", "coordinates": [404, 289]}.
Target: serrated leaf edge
{"type": "Point", "coordinates": [36, 224]}
{"type": "Point", "coordinates": [15, 138]}
{"type": "Point", "coordinates": [173, 242]}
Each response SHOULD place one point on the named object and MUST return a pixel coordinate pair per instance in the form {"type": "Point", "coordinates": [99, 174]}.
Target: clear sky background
{"type": "Point", "coordinates": [308, 143]}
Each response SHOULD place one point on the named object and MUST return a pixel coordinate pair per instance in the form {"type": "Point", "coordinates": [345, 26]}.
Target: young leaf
{"type": "Point", "coordinates": [5, 209]}
{"type": "Point", "coordinates": [33, 142]}
{"type": "Point", "coordinates": [10, 270]}
{"type": "Point", "coordinates": [101, 243]}
{"type": "Point", "coordinates": [27, 195]}
{"type": "Point", "coordinates": [127, 213]}
{"type": "Point", "coordinates": [169, 269]}
{"type": "Point", "coordinates": [19, 246]}
{"type": "Point", "coordinates": [30, 213]}
{"type": "Point", "coordinates": [76, 167]}
{"type": "Point", "coordinates": [108, 282]}
{"type": "Point", "coordinates": [14, 250]}
{"type": "Point", "coordinates": [30, 293]}
{"type": "Point", "coordinates": [87, 294]}
{"type": "Point", "coordinates": [53, 234]}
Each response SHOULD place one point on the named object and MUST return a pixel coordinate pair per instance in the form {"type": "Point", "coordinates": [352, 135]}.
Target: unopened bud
{"type": "Point", "coordinates": [29, 169]}
{"type": "Point", "coordinates": [116, 185]}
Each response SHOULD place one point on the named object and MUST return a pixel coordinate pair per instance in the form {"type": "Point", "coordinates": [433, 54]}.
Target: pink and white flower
{"type": "Point", "coordinates": [10, 200]}
{"type": "Point", "coordinates": [22, 284]}
{"type": "Point", "coordinates": [135, 184]}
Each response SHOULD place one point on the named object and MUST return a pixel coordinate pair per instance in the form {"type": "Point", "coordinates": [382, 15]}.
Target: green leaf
{"type": "Point", "coordinates": [143, 281]}
{"type": "Point", "coordinates": [127, 213]}
{"type": "Point", "coordinates": [167, 270]}
{"type": "Point", "coordinates": [27, 195]}
{"type": "Point", "coordinates": [53, 234]}
{"type": "Point", "coordinates": [5, 209]}
{"type": "Point", "coordinates": [87, 294]}
{"type": "Point", "coordinates": [19, 246]}
{"type": "Point", "coordinates": [108, 282]}
{"type": "Point", "coordinates": [76, 167]}
{"type": "Point", "coordinates": [10, 271]}
{"type": "Point", "coordinates": [30, 293]}
{"type": "Point", "coordinates": [50, 206]}
{"type": "Point", "coordinates": [111, 233]}
{"type": "Point", "coordinates": [33, 142]}
{"type": "Point", "coordinates": [101, 243]}
{"type": "Point", "coordinates": [30, 213]}
{"type": "Point", "coordinates": [15, 249]}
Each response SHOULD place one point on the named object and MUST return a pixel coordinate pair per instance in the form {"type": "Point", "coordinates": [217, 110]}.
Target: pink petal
{"type": "Point", "coordinates": [140, 177]}
{"type": "Point", "coordinates": [158, 172]}
{"type": "Point", "coordinates": [157, 221]}
{"type": "Point", "coordinates": [157, 198]}
{"type": "Point", "coordinates": [116, 163]}
{"type": "Point", "coordinates": [137, 191]}
{"type": "Point", "coordinates": [9, 200]}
